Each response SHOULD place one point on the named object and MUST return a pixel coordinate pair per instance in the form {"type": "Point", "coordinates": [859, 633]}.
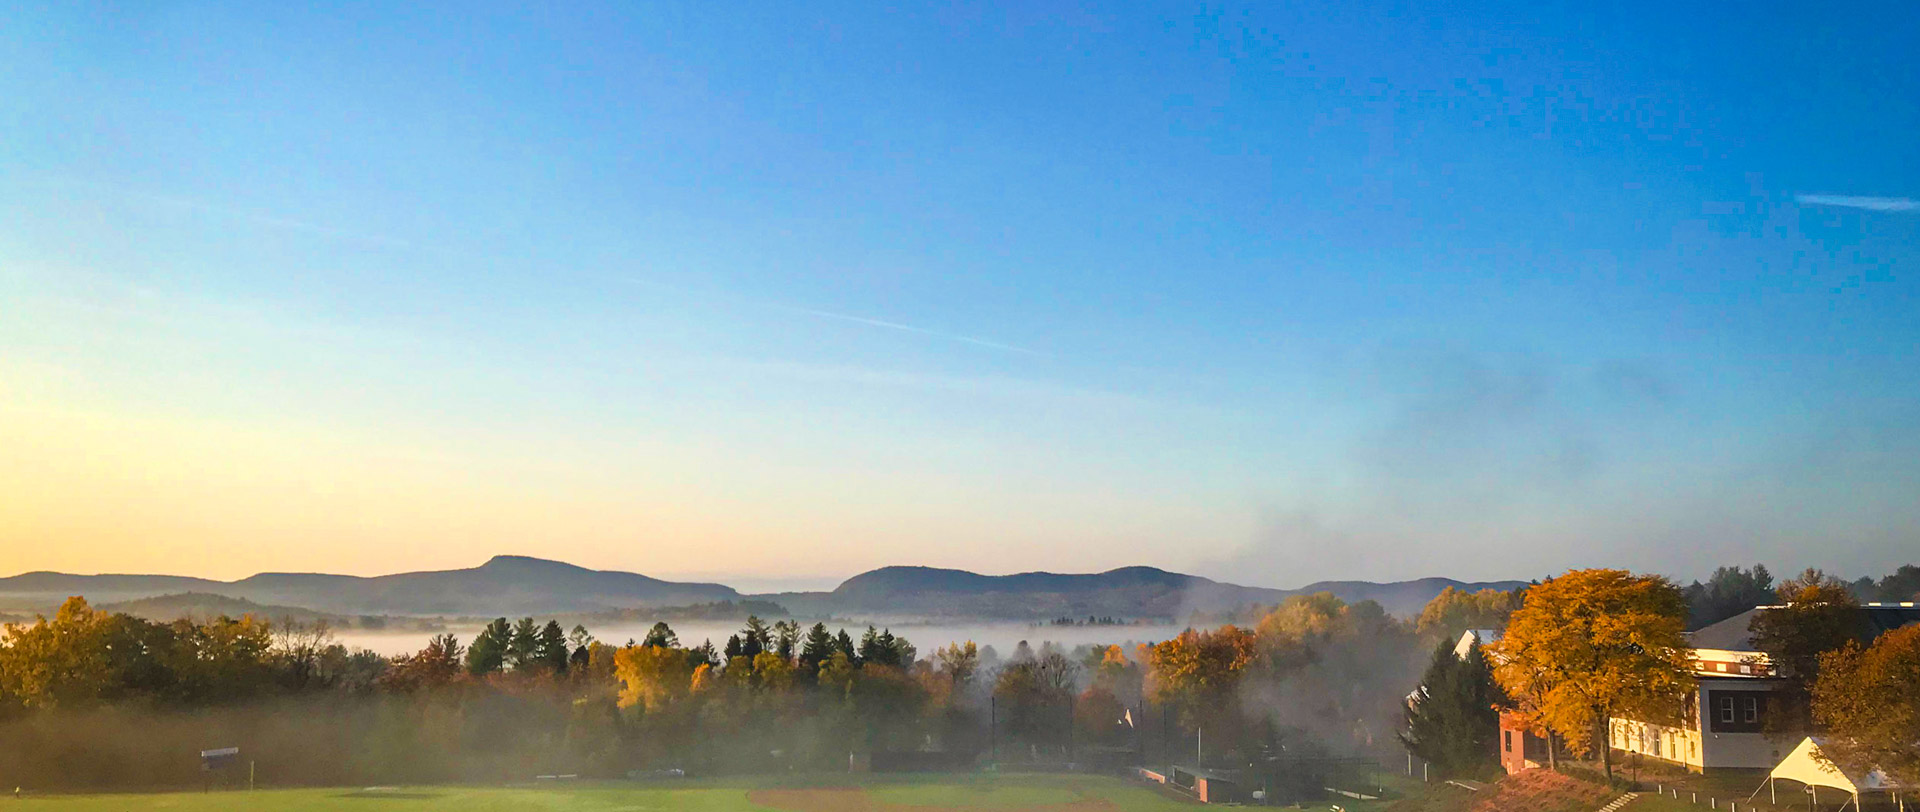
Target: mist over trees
{"type": "Point", "coordinates": [133, 699]}
{"type": "Point", "coordinates": [778, 697]}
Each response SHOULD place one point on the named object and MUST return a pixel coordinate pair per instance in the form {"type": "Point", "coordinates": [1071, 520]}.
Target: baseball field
{"type": "Point", "coordinates": [944, 793]}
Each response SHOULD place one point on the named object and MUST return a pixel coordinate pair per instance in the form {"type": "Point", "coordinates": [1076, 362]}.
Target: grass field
{"type": "Point", "coordinates": [1014, 793]}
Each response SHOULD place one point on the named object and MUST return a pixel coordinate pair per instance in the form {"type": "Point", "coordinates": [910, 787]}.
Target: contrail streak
{"type": "Point", "coordinates": [1855, 202]}
{"type": "Point", "coordinates": [908, 328]}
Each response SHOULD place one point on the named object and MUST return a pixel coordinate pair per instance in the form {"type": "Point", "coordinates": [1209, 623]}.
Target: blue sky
{"type": "Point", "coordinates": [780, 294]}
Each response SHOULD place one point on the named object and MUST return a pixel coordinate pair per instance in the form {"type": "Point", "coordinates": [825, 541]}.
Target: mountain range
{"type": "Point", "coordinates": [520, 585]}
{"type": "Point", "coordinates": [506, 584]}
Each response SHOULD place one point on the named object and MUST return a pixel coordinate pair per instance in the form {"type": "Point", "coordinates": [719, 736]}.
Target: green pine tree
{"type": "Point", "coordinates": [489, 650]}
{"type": "Point", "coordinates": [524, 643]}
{"type": "Point", "coordinates": [1453, 719]}
{"type": "Point", "coordinates": [817, 649]}
{"type": "Point", "coordinates": [552, 650]}
{"type": "Point", "coordinates": [661, 636]}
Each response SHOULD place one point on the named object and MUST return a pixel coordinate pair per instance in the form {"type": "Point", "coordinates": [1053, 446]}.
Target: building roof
{"type": "Point", "coordinates": [1885, 617]}
{"type": "Point", "coordinates": [1734, 634]}
{"type": "Point", "coordinates": [1474, 637]}
{"type": "Point", "coordinates": [1808, 766]}
{"type": "Point", "coordinates": [1731, 634]}
{"type": "Point", "coordinates": [1208, 773]}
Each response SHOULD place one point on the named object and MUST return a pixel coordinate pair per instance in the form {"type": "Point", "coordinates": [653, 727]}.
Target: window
{"type": "Point", "coordinates": [1507, 738]}
{"type": "Point", "coordinates": [1736, 711]}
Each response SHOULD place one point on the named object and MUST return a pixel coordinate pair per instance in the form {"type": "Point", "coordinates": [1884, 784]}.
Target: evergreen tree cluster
{"type": "Point", "coordinates": [525, 646]}
{"type": "Point", "coordinates": [1453, 718]}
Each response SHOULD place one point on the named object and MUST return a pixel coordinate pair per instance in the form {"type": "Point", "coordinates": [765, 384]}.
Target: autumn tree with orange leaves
{"type": "Point", "coordinates": [1593, 644]}
{"type": "Point", "coordinates": [1198, 674]}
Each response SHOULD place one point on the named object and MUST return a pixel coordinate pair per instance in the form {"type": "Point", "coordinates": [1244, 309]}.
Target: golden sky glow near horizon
{"type": "Point", "coordinates": [94, 489]}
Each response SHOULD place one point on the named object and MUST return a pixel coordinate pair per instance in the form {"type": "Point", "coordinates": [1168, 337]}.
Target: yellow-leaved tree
{"type": "Point", "coordinates": [1593, 644]}
{"type": "Point", "coordinates": [652, 676]}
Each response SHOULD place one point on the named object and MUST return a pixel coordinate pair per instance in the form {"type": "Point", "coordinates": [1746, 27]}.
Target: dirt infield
{"type": "Point", "coordinates": [857, 799]}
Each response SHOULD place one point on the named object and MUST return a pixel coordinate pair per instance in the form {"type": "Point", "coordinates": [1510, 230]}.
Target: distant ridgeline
{"type": "Point", "coordinates": [520, 586]}
{"type": "Point", "coordinates": [718, 610]}
{"type": "Point", "coordinates": [204, 606]}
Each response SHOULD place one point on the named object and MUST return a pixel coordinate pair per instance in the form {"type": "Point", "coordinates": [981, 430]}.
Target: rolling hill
{"type": "Point", "coordinates": [504, 585]}
{"type": "Point", "coordinates": [518, 585]}
{"type": "Point", "coordinates": [1129, 592]}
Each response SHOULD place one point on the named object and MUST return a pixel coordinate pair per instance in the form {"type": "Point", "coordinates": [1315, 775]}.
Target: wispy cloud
{"type": "Point", "coordinates": [908, 328]}
{"type": "Point", "coordinates": [1856, 202]}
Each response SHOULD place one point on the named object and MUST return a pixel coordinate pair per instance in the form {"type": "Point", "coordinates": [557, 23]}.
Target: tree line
{"type": "Point", "coordinates": [123, 700]}
{"type": "Point", "coordinates": [126, 701]}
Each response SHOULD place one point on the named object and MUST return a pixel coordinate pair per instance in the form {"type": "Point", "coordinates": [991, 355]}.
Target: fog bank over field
{"type": "Point", "coordinates": [1003, 637]}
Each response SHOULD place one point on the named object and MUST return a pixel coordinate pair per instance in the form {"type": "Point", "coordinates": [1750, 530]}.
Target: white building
{"type": "Point", "coordinates": [1727, 713]}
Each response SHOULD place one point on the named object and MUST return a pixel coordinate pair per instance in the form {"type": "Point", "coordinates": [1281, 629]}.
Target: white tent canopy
{"type": "Point", "coordinates": [1806, 765]}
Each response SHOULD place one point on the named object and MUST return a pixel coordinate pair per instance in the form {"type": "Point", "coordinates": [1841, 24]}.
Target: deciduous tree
{"type": "Point", "coordinates": [1454, 611]}
{"type": "Point", "coordinates": [958, 662]}
{"type": "Point", "coordinates": [1592, 644]}
{"type": "Point", "coordinates": [1199, 672]}
{"type": "Point", "coordinates": [1868, 699]}
{"type": "Point", "coordinates": [1819, 615]}
{"type": "Point", "coordinates": [651, 677]}
{"type": "Point", "coordinates": [1902, 585]}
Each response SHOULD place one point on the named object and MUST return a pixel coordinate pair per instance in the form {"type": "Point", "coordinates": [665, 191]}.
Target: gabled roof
{"type": "Point", "coordinates": [1474, 637]}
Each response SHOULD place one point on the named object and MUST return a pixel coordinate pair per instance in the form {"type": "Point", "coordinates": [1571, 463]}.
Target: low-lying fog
{"type": "Point", "coordinates": [1002, 636]}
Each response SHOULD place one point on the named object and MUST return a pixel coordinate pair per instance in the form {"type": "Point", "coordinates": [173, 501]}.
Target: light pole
{"type": "Point", "coordinates": [993, 728]}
